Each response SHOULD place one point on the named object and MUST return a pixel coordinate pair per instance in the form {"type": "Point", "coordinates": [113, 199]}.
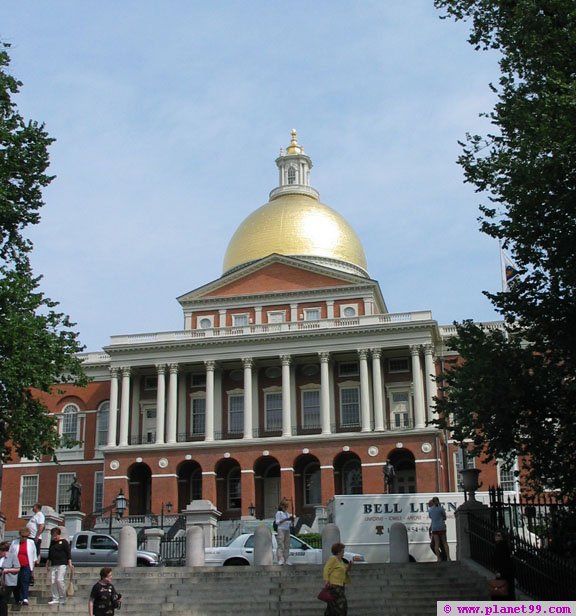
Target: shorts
{"type": "Point", "coordinates": [440, 533]}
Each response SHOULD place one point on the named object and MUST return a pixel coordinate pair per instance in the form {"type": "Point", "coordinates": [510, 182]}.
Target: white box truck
{"type": "Point", "coordinates": [364, 521]}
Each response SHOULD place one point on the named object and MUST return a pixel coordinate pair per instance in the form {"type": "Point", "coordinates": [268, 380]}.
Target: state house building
{"type": "Point", "coordinates": [290, 378]}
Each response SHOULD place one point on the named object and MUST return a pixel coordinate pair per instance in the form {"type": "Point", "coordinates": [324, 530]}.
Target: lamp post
{"type": "Point", "coordinates": [121, 504]}
{"type": "Point", "coordinates": [251, 510]}
{"type": "Point", "coordinates": [168, 509]}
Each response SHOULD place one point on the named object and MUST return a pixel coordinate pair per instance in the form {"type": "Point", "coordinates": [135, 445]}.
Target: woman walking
{"type": "Point", "coordinates": [103, 597]}
{"type": "Point", "coordinates": [59, 558]}
{"type": "Point", "coordinates": [25, 550]}
{"type": "Point", "coordinates": [437, 515]}
{"type": "Point", "coordinates": [336, 576]}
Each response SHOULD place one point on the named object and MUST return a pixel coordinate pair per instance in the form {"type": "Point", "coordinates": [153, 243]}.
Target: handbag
{"type": "Point", "coordinates": [325, 595]}
{"type": "Point", "coordinates": [498, 587]}
{"type": "Point", "coordinates": [70, 589]}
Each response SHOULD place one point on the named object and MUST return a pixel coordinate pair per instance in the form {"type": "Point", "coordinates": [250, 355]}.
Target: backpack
{"type": "Point", "coordinates": [274, 526]}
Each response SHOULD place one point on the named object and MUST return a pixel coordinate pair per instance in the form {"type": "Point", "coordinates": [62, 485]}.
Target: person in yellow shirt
{"type": "Point", "coordinates": [336, 575]}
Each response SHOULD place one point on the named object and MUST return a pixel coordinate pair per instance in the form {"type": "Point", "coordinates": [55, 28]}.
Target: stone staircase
{"type": "Point", "coordinates": [396, 590]}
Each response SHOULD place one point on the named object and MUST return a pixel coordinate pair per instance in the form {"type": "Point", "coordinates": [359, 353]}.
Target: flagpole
{"type": "Point", "coordinates": [502, 268]}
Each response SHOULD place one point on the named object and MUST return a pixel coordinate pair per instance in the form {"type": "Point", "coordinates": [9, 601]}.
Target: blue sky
{"type": "Point", "coordinates": [169, 115]}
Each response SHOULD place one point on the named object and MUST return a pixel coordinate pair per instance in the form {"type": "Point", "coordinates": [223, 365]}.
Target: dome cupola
{"type": "Point", "coordinates": [295, 223]}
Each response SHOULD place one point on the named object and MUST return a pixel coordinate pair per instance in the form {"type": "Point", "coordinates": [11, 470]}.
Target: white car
{"type": "Point", "coordinates": [240, 551]}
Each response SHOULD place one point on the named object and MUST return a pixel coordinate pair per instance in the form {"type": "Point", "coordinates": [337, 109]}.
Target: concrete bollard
{"type": "Point", "coordinates": [263, 546]}
{"type": "Point", "coordinates": [128, 545]}
{"type": "Point", "coordinates": [330, 536]}
{"type": "Point", "coordinates": [399, 543]}
{"type": "Point", "coordinates": [195, 547]}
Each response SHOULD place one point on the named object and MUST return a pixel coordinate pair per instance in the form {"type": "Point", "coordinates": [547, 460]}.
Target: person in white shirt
{"type": "Point", "coordinates": [283, 521]}
{"type": "Point", "coordinates": [36, 525]}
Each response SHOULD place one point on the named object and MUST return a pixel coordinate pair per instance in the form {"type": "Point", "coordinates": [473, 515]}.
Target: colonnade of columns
{"type": "Point", "coordinates": [372, 398]}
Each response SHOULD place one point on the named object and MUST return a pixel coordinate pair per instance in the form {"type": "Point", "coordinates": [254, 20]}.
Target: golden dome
{"type": "Point", "coordinates": [296, 225]}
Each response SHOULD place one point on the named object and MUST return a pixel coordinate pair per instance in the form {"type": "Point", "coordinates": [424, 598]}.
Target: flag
{"type": "Point", "coordinates": [510, 270]}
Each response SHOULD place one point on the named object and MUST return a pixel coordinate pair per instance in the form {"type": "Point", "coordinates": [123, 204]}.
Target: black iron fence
{"type": "Point", "coordinates": [541, 532]}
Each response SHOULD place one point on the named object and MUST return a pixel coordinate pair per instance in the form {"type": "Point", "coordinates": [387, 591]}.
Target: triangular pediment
{"type": "Point", "coordinates": [276, 274]}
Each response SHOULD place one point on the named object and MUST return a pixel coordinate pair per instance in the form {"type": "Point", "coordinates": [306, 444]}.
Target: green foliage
{"type": "Point", "coordinates": [526, 169]}
{"type": "Point", "coordinates": [37, 345]}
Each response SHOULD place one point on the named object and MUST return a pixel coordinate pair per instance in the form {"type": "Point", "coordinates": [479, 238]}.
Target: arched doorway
{"type": "Point", "coordinates": [229, 489]}
{"type": "Point", "coordinates": [347, 473]}
{"type": "Point", "coordinates": [405, 467]}
{"type": "Point", "coordinates": [267, 486]}
{"type": "Point", "coordinates": [139, 489]}
{"type": "Point", "coordinates": [189, 483]}
{"type": "Point", "coordinates": [308, 483]}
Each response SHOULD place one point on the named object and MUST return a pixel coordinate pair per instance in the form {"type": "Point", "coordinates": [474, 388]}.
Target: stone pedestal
{"type": "Point", "coordinates": [72, 521]}
{"type": "Point", "coordinates": [153, 537]}
{"type": "Point", "coordinates": [127, 547]}
{"type": "Point", "coordinates": [263, 546]}
{"type": "Point", "coordinates": [204, 514]}
{"type": "Point", "coordinates": [195, 555]}
{"type": "Point", "coordinates": [330, 536]}
{"type": "Point", "coordinates": [399, 543]}
{"type": "Point", "coordinates": [462, 516]}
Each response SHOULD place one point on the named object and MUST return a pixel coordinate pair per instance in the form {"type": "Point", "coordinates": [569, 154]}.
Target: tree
{"type": "Point", "coordinates": [38, 347]}
{"type": "Point", "coordinates": [519, 390]}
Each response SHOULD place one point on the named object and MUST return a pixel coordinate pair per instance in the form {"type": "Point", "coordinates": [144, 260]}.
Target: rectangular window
{"type": "Point", "coordinates": [150, 382]}
{"type": "Point", "coordinates": [273, 412]}
{"type": "Point", "coordinates": [198, 420]}
{"type": "Point", "coordinates": [398, 364]}
{"type": "Point", "coordinates": [98, 491]}
{"type": "Point", "coordinates": [234, 491]}
{"type": "Point", "coordinates": [199, 380]}
{"type": "Point", "coordinates": [63, 494]}
{"type": "Point", "coordinates": [400, 410]}
{"type": "Point", "coordinates": [312, 314]}
{"type": "Point", "coordinates": [103, 421]}
{"type": "Point", "coordinates": [311, 409]}
{"type": "Point", "coordinates": [240, 320]}
{"type": "Point", "coordinates": [349, 368]}
{"type": "Point", "coordinates": [28, 494]}
{"type": "Point", "coordinates": [508, 481]}
{"type": "Point", "coordinates": [350, 406]}
{"type": "Point", "coordinates": [236, 413]}
{"type": "Point", "coordinates": [276, 317]}
{"type": "Point", "coordinates": [149, 427]}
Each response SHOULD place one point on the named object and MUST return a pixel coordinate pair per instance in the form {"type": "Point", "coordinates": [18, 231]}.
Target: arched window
{"type": "Point", "coordinates": [291, 175]}
{"type": "Point", "coordinates": [312, 484]}
{"type": "Point", "coordinates": [70, 421]}
{"type": "Point", "coordinates": [352, 477]}
{"type": "Point", "coordinates": [103, 422]}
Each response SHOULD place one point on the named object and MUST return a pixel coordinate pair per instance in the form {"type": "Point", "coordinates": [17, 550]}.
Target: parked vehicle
{"type": "Point", "coordinates": [240, 551]}
{"type": "Point", "coordinates": [91, 549]}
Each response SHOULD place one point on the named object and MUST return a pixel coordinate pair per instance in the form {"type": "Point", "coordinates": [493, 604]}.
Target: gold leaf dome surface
{"type": "Point", "coordinates": [295, 225]}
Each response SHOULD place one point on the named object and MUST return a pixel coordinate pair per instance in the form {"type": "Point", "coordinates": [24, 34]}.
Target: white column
{"type": "Point", "coordinates": [364, 391]}
{"type": "Point", "coordinates": [293, 312]}
{"type": "Point", "coordinates": [286, 403]}
{"type": "Point", "coordinates": [113, 416]}
{"type": "Point", "coordinates": [160, 403]}
{"type": "Point", "coordinates": [377, 389]}
{"type": "Point", "coordinates": [172, 415]}
{"type": "Point", "coordinates": [125, 407]}
{"type": "Point", "coordinates": [419, 419]}
{"type": "Point", "coordinates": [221, 318]}
{"type": "Point", "coordinates": [258, 315]}
{"type": "Point", "coordinates": [324, 393]}
{"type": "Point", "coordinates": [209, 432]}
{"type": "Point", "coordinates": [247, 362]}
{"type": "Point", "coordinates": [430, 381]}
